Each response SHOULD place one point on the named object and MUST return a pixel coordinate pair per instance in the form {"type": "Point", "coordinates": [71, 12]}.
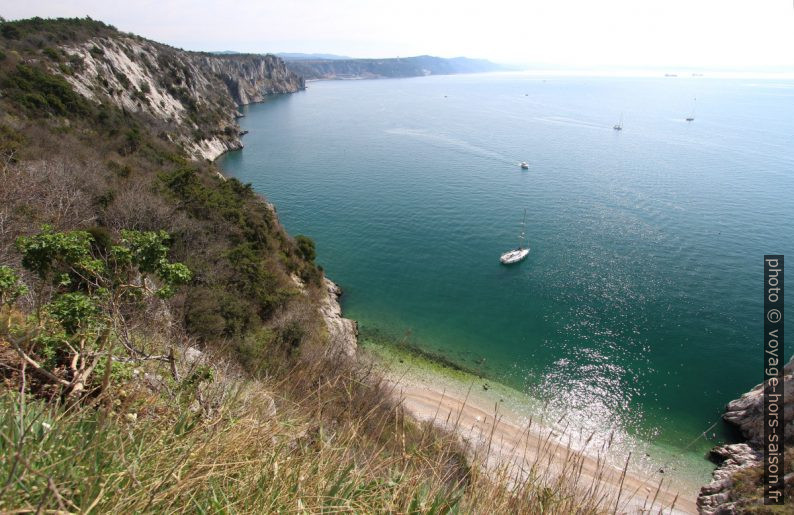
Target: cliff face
{"type": "Point", "coordinates": [250, 78]}
{"type": "Point", "coordinates": [342, 332]}
{"type": "Point", "coordinates": [191, 96]}
{"type": "Point", "coordinates": [747, 414]}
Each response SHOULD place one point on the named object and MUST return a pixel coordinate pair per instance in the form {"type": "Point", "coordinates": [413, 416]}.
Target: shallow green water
{"type": "Point", "coordinates": [638, 309]}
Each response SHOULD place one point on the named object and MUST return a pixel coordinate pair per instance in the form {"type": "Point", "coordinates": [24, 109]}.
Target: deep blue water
{"type": "Point", "coordinates": [639, 306]}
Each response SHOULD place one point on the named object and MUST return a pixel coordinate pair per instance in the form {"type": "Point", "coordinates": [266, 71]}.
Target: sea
{"type": "Point", "coordinates": [638, 313]}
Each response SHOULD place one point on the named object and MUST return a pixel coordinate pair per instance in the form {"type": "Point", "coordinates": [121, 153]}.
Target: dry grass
{"type": "Point", "coordinates": [337, 441]}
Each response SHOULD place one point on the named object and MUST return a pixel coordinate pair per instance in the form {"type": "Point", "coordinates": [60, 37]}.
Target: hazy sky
{"type": "Point", "coordinates": [715, 33]}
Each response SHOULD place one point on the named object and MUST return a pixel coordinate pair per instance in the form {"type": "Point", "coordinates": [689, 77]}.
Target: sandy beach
{"type": "Point", "coordinates": [506, 443]}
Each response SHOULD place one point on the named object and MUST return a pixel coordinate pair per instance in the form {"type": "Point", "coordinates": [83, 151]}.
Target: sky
{"type": "Point", "coordinates": [561, 33]}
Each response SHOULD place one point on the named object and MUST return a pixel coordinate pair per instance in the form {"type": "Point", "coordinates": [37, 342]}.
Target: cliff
{"type": "Point", "coordinates": [315, 69]}
{"type": "Point", "coordinates": [342, 332]}
{"type": "Point", "coordinates": [736, 478]}
{"type": "Point", "coordinates": [191, 96]}
{"type": "Point", "coordinates": [251, 78]}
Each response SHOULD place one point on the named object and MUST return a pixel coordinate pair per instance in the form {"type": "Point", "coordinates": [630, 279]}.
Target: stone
{"type": "Point", "coordinates": [342, 332]}
{"type": "Point", "coordinates": [747, 414]}
{"type": "Point", "coordinates": [192, 355]}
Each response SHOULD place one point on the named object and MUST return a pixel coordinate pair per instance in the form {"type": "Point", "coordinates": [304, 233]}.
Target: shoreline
{"type": "Point", "coordinates": [428, 395]}
{"type": "Point", "coordinates": [499, 434]}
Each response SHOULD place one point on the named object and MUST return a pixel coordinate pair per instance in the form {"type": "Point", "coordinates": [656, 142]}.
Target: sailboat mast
{"type": "Point", "coordinates": [523, 230]}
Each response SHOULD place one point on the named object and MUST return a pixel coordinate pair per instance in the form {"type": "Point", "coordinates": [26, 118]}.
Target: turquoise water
{"type": "Point", "coordinates": [638, 309]}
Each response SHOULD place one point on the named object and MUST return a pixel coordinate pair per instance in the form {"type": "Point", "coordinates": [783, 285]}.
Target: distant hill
{"type": "Point", "coordinates": [316, 69]}
{"type": "Point", "coordinates": [288, 56]}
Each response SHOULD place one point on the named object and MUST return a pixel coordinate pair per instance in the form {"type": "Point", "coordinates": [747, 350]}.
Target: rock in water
{"type": "Point", "coordinates": [747, 413]}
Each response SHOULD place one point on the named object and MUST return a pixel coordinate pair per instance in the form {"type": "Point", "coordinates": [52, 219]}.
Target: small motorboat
{"type": "Point", "coordinates": [524, 165]}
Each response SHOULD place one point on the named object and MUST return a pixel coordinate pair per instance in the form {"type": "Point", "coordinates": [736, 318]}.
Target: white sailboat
{"type": "Point", "coordinates": [691, 117]}
{"type": "Point", "coordinates": [516, 255]}
{"type": "Point", "coordinates": [619, 125]}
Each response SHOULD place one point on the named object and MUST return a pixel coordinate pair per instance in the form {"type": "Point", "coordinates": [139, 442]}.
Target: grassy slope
{"type": "Point", "coordinates": [264, 419]}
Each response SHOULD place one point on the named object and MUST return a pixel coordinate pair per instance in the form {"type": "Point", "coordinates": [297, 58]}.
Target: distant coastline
{"type": "Point", "coordinates": [398, 67]}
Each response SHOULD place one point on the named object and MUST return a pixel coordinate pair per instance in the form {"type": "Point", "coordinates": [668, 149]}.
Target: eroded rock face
{"type": "Point", "coordinates": [251, 78]}
{"type": "Point", "coordinates": [716, 497]}
{"type": "Point", "coordinates": [342, 332]}
{"type": "Point", "coordinates": [747, 413]}
{"type": "Point", "coordinates": [192, 96]}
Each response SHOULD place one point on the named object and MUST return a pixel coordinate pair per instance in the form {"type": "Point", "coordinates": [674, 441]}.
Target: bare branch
{"type": "Point", "coordinates": [36, 366]}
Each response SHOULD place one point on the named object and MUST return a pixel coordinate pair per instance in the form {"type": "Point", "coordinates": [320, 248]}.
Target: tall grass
{"type": "Point", "coordinates": [344, 446]}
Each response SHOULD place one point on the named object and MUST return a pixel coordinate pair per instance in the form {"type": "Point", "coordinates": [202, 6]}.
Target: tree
{"type": "Point", "coordinates": [306, 247]}
{"type": "Point", "coordinates": [82, 281]}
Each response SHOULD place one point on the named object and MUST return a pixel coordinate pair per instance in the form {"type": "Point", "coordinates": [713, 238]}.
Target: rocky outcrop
{"type": "Point", "coordinates": [717, 497]}
{"type": "Point", "coordinates": [342, 332]}
{"type": "Point", "coordinates": [747, 414]}
{"type": "Point", "coordinates": [251, 78]}
{"type": "Point", "coordinates": [193, 97]}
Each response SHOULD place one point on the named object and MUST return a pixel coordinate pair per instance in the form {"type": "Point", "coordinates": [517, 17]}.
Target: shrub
{"type": "Point", "coordinates": [52, 53]}
{"type": "Point", "coordinates": [10, 31]}
{"type": "Point", "coordinates": [11, 142]}
{"type": "Point", "coordinates": [306, 247]}
{"type": "Point", "coordinates": [203, 316]}
{"type": "Point", "coordinates": [92, 280]}
{"type": "Point", "coordinates": [10, 286]}
{"type": "Point", "coordinates": [41, 92]}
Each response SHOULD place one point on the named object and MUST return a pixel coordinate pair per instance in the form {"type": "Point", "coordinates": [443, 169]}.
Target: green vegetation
{"type": "Point", "coordinates": [749, 488]}
{"type": "Point", "coordinates": [56, 31]}
{"type": "Point", "coordinates": [85, 286]}
{"type": "Point", "coordinates": [161, 344]}
{"type": "Point", "coordinates": [41, 92]}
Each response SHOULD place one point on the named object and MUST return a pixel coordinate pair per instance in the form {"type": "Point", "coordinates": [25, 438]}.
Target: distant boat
{"type": "Point", "coordinates": [691, 117]}
{"type": "Point", "coordinates": [619, 126]}
{"type": "Point", "coordinates": [524, 165]}
{"type": "Point", "coordinates": [516, 255]}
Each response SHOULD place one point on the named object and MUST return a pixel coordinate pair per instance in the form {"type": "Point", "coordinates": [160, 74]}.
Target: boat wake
{"type": "Point", "coordinates": [448, 142]}
{"type": "Point", "coordinates": [570, 122]}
